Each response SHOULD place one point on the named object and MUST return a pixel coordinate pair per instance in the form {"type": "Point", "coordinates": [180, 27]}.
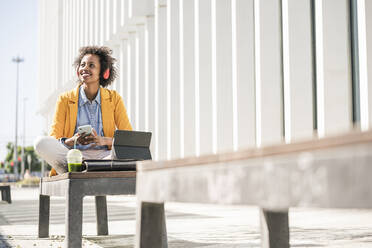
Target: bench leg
{"type": "Point", "coordinates": [5, 194]}
{"type": "Point", "coordinates": [101, 215]}
{"type": "Point", "coordinates": [74, 220]}
{"type": "Point", "coordinates": [44, 206]}
{"type": "Point", "coordinates": [151, 228]}
{"type": "Point", "coordinates": [8, 197]}
{"type": "Point", "coordinates": [274, 229]}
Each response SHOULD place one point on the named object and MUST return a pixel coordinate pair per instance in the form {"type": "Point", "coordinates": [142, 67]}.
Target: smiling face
{"type": "Point", "coordinates": [89, 69]}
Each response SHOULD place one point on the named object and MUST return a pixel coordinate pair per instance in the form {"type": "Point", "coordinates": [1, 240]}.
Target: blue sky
{"type": "Point", "coordinates": [19, 36]}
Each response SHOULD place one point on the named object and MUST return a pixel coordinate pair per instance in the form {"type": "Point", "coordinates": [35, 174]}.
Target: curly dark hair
{"type": "Point", "coordinates": [105, 60]}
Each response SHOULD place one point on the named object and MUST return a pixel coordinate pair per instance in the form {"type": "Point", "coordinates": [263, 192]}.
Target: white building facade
{"type": "Point", "coordinates": [207, 76]}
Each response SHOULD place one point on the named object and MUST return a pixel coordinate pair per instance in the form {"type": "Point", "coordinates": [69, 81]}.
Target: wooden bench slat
{"type": "Point", "coordinates": [87, 175]}
{"type": "Point", "coordinates": [351, 138]}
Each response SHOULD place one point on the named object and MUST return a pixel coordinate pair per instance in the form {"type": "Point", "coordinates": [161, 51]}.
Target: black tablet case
{"type": "Point", "coordinates": [132, 145]}
{"type": "Point", "coordinates": [109, 165]}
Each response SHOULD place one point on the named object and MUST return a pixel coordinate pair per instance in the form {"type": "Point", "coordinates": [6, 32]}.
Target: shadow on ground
{"type": "Point", "coordinates": [127, 241]}
{"type": "Point", "coordinates": [26, 212]}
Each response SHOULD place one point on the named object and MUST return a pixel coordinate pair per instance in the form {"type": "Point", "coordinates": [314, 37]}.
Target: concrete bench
{"type": "Point", "coordinates": [74, 186]}
{"type": "Point", "coordinates": [332, 172]}
{"type": "Point", "coordinates": [5, 193]}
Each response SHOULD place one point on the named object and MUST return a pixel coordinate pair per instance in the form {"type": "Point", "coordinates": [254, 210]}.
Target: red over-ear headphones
{"type": "Point", "coordinates": [106, 75]}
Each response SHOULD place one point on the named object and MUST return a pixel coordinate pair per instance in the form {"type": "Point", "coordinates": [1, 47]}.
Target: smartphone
{"type": "Point", "coordinates": [85, 130]}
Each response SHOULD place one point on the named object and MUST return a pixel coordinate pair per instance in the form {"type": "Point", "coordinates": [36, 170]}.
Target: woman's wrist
{"type": "Point", "coordinates": [108, 141]}
{"type": "Point", "coordinates": [70, 141]}
{"type": "Point", "coordinates": [104, 141]}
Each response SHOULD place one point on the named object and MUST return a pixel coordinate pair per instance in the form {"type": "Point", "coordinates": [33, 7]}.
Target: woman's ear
{"type": "Point", "coordinates": [106, 75]}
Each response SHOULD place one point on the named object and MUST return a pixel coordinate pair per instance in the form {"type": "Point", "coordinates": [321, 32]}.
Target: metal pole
{"type": "Point", "coordinates": [42, 168]}
{"type": "Point", "coordinates": [24, 138]}
{"type": "Point", "coordinates": [16, 60]}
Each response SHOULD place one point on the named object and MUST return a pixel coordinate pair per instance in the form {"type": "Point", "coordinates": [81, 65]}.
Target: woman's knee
{"type": "Point", "coordinates": [42, 144]}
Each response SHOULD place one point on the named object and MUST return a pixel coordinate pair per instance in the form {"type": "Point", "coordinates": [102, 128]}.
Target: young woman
{"type": "Point", "coordinates": [89, 103]}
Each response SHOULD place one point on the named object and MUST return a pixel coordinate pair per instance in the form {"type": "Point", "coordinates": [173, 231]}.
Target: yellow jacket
{"type": "Point", "coordinates": [114, 114]}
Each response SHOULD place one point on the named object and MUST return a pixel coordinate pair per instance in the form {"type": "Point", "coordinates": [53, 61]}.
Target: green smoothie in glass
{"type": "Point", "coordinates": [74, 159]}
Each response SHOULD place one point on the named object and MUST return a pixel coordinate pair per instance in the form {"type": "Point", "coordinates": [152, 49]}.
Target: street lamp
{"type": "Point", "coordinates": [16, 60]}
{"type": "Point", "coordinates": [24, 138]}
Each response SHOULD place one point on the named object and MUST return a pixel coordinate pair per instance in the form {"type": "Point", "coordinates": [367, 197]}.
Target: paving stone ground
{"type": "Point", "coordinates": [189, 225]}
